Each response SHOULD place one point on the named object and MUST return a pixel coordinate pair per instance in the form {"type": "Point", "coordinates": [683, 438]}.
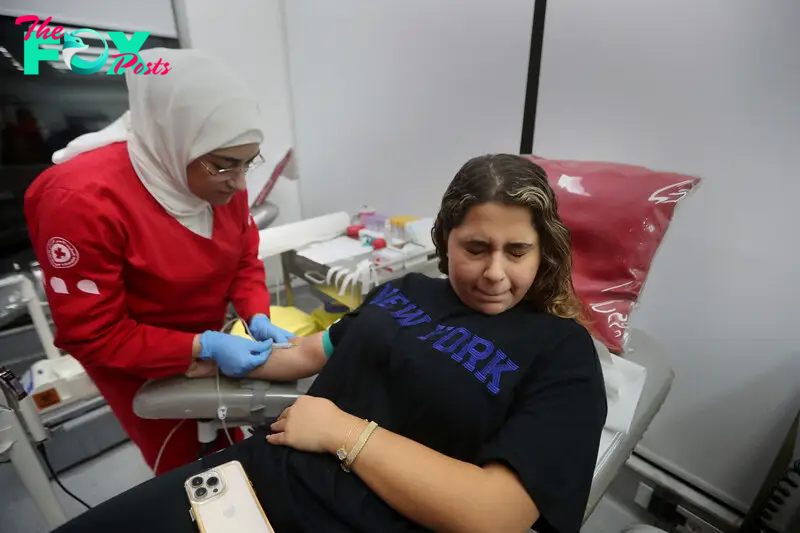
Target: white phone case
{"type": "Point", "coordinates": [223, 500]}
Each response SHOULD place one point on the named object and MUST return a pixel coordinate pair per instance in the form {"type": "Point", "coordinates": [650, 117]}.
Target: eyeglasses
{"type": "Point", "coordinates": [230, 172]}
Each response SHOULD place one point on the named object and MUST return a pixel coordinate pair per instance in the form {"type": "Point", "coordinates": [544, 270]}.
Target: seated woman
{"type": "Point", "coordinates": [487, 392]}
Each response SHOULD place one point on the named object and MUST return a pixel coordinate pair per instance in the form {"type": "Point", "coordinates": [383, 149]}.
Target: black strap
{"type": "Point", "coordinates": [534, 69]}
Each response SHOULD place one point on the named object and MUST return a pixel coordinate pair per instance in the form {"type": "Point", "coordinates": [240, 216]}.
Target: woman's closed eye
{"type": "Point", "coordinates": [519, 249]}
{"type": "Point", "coordinates": [516, 250]}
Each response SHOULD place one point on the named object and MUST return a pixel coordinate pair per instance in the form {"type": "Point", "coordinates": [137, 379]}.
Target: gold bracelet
{"type": "Point", "coordinates": [341, 453]}
{"type": "Point", "coordinates": [362, 440]}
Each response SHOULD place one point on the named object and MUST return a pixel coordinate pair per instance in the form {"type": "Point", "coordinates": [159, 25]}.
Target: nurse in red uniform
{"type": "Point", "coordinates": [144, 235]}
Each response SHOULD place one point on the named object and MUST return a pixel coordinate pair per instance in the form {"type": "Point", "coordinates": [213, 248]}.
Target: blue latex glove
{"type": "Point", "coordinates": [235, 356]}
{"type": "Point", "coordinates": [262, 329]}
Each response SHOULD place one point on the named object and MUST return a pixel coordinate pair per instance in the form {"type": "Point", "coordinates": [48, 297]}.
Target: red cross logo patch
{"type": "Point", "coordinates": [61, 253]}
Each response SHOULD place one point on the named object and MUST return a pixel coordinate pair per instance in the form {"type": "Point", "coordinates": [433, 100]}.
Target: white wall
{"type": "Point", "coordinates": [143, 15]}
{"type": "Point", "coordinates": [392, 97]}
{"type": "Point", "coordinates": [249, 34]}
{"type": "Point", "coordinates": [711, 88]}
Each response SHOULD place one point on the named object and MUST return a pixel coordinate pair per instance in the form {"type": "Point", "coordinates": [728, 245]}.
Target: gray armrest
{"type": "Point", "coordinates": [248, 401]}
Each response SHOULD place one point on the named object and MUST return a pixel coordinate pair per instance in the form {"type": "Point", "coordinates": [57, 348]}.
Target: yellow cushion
{"type": "Point", "coordinates": [324, 319]}
{"type": "Point", "coordinates": [294, 320]}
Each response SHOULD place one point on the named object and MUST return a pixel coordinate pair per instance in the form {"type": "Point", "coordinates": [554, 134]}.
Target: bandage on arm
{"type": "Point", "coordinates": [327, 343]}
{"type": "Point", "coordinates": [87, 299]}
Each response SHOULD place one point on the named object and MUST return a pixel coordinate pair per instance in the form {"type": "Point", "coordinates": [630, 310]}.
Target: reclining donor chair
{"type": "Point", "coordinates": [618, 215]}
{"type": "Point", "coordinates": [252, 402]}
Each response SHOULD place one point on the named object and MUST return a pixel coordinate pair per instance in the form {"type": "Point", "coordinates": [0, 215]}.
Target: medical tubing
{"type": "Point", "coordinates": [222, 410]}
{"type": "Point", "coordinates": [43, 452]}
{"type": "Point", "coordinates": [164, 445]}
{"type": "Point", "coordinates": [175, 428]}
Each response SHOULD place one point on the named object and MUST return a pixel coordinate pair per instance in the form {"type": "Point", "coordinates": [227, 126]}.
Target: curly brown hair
{"type": "Point", "coordinates": [513, 180]}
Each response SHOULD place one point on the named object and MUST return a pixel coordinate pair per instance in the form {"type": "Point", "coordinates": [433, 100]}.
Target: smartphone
{"type": "Point", "coordinates": [223, 500]}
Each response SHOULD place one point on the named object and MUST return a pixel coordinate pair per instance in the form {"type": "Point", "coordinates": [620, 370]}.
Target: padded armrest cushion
{"type": "Point", "coordinates": [247, 401]}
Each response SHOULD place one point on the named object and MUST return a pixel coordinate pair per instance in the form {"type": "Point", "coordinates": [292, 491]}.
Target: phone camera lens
{"type": "Point", "coordinates": [212, 481]}
{"type": "Point", "coordinates": [196, 482]}
{"type": "Point", "coordinates": [200, 492]}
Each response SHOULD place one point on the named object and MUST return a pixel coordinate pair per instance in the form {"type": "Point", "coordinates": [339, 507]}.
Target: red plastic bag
{"type": "Point", "coordinates": [618, 215]}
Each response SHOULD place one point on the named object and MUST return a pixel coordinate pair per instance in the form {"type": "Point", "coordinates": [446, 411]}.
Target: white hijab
{"type": "Point", "coordinates": [197, 107]}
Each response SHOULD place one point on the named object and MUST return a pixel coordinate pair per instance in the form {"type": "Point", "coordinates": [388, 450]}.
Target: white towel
{"type": "Point", "coordinates": [624, 385]}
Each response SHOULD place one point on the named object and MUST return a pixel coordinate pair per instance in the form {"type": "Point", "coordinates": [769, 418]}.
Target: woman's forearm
{"type": "Point", "coordinates": [436, 491]}
{"type": "Point", "coordinates": [290, 364]}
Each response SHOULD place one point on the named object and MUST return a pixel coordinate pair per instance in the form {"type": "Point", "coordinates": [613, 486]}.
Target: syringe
{"type": "Point", "coordinates": [283, 345]}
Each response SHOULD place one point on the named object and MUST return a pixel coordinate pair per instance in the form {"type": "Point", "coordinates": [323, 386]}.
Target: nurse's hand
{"type": "Point", "coordinates": [235, 356]}
{"type": "Point", "coordinates": [262, 329]}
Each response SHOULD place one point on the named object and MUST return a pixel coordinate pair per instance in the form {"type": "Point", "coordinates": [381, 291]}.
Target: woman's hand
{"type": "Point", "coordinates": [312, 424]}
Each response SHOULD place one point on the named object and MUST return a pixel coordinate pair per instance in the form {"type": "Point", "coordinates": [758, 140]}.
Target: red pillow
{"type": "Point", "coordinates": [617, 214]}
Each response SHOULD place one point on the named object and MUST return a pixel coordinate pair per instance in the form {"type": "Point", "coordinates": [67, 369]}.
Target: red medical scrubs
{"type": "Point", "coordinates": [129, 286]}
